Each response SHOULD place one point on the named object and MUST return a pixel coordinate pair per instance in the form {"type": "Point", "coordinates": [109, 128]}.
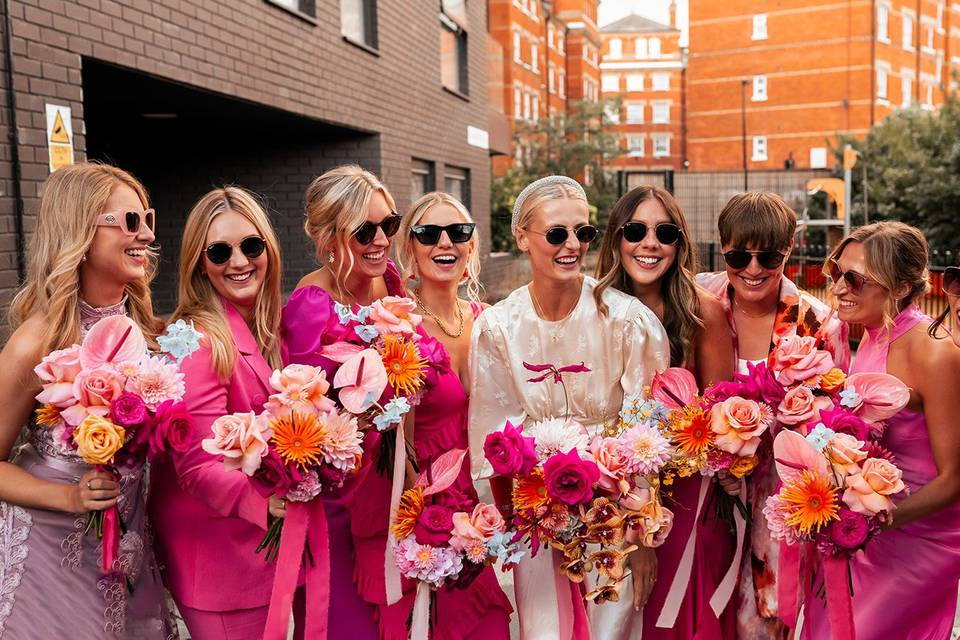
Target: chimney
{"type": "Point", "coordinates": [673, 13]}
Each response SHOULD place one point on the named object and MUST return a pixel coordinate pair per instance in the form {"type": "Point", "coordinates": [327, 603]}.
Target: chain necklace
{"type": "Point", "coordinates": [435, 318]}
{"type": "Point", "coordinates": [536, 304]}
{"type": "Point", "coordinates": [749, 315]}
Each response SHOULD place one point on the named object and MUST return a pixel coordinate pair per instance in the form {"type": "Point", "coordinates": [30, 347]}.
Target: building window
{"type": "Point", "coordinates": [422, 178]}
{"type": "Point", "coordinates": [456, 182]}
{"type": "Point", "coordinates": [661, 113]}
{"type": "Point", "coordinates": [635, 146]}
{"type": "Point", "coordinates": [883, 23]}
{"type": "Point", "coordinates": [551, 83]}
{"type": "Point", "coordinates": [561, 42]}
{"type": "Point", "coordinates": [930, 30]}
{"type": "Point", "coordinates": [882, 84]}
{"type": "Point", "coordinates": [928, 99]}
{"type": "Point", "coordinates": [818, 158]}
{"type": "Point", "coordinates": [907, 31]}
{"type": "Point", "coordinates": [526, 106]}
{"type": "Point", "coordinates": [535, 57]}
{"type": "Point", "coordinates": [616, 48]}
{"type": "Point", "coordinates": [612, 113]}
{"type": "Point", "coordinates": [759, 27]}
{"type": "Point", "coordinates": [640, 47]}
{"type": "Point", "coordinates": [635, 82]}
{"type": "Point", "coordinates": [906, 88]}
{"type": "Point", "coordinates": [551, 32]}
{"type": "Point", "coordinates": [535, 108]}
{"type": "Point", "coordinates": [517, 103]}
{"type": "Point", "coordinates": [634, 113]}
{"type": "Point", "coordinates": [759, 89]}
{"type": "Point", "coordinates": [517, 53]}
{"type": "Point", "coordinates": [453, 45]}
{"type": "Point", "coordinates": [938, 69]}
{"type": "Point", "coordinates": [611, 82]}
{"type": "Point", "coordinates": [654, 47]}
{"type": "Point", "coordinates": [661, 146]}
{"type": "Point", "coordinates": [759, 149]}
{"type": "Point", "coordinates": [305, 7]}
{"type": "Point", "coordinates": [939, 15]}
{"type": "Point", "coordinates": [562, 81]}
{"type": "Point", "coordinates": [660, 82]}
{"type": "Point", "coordinates": [358, 21]}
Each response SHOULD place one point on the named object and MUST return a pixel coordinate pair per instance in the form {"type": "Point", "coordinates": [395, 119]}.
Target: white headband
{"type": "Point", "coordinates": [533, 186]}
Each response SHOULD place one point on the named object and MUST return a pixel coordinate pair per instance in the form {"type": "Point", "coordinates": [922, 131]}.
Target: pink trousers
{"type": "Point", "coordinates": [239, 624]}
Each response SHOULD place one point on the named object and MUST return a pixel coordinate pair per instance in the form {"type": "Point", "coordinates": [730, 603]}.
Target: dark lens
{"type": "Point", "coordinates": [428, 234]}
{"type": "Point", "coordinates": [390, 225]}
{"type": "Point", "coordinates": [667, 233]}
{"type": "Point", "coordinates": [586, 234]}
{"type": "Point", "coordinates": [253, 246]}
{"type": "Point", "coordinates": [737, 258]}
{"type": "Point", "coordinates": [770, 259]}
{"type": "Point", "coordinates": [634, 231]}
{"type": "Point", "coordinates": [835, 273]}
{"type": "Point", "coordinates": [460, 232]}
{"type": "Point", "coordinates": [149, 219]}
{"type": "Point", "coordinates": [557, 235]}
{"type": "Point", "coordinates": [133, 222]}
{"type": "Point", "coordinates": [951, 281]}
{"type": "Point", "coordinates": [365, 233]}
{"type": "Point", "coordinates": [219, 252]}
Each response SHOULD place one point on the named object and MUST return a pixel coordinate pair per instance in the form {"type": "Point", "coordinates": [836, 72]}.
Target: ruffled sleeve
{"type": "Point", "coordinates": [646, 349]}
{"type": "Point", "coordinates": [303, 327]}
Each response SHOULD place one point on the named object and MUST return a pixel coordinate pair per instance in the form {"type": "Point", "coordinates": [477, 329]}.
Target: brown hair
{"type": "Point", "coordinates": [681, 303]}
{"type": "Point", "coordinates": [758, 219]}
{"type": "Point", "coordinates": [940, 319]}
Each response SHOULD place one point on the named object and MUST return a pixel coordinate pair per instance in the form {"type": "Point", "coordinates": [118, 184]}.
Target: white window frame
{"type": "Point", "coordinates": [612, 113]}
{"type": "Point", "coordinates": [938, 68]}
{"type": "Point", "coordinates": [883, 23]}
{"type": "Point", "coordinates": [759, 89]}
{"type": "Point", "coordinates": [635, 112]}
{"type": "Point", "coordinates": [759, 149]}
{"type": "Point", "coordinates": [660, 112]}
{"type": "Point", "coordinates": [535, 56]}
{"type": "Point", "coordinates": [818, 157]}
{"type": "Point", "coordinates": [551, 35]}
{"type": "Point", "coordinates": [759, 27]}
{"type": "Point", "coordinates": [882, 78]}
{"type": "Point", "coordinates": [616, 48]}
{"type": "Point", "coordinates": [517, 103]}
{"type": "Point", "coordinates": [561, 43]}
{"type": "Point", "coordinates": [654, 47]}
{"type": "Point", "coordinates": [638, 50]}
{"type": "Point", "coordinates": [562, 84]}
{"type": "Point", "coordinates": [526, 106]}
{"type": "Point", "coordinates": [635, 82]}
{"type": "Point", "coordinates": [906, 30]}
{"type": "Point", "coordinates": [906, 87]}
{"type": "Point", "coordinates": [661, 145]}
{"type": "Point", "coordinates": [517, 47]}
{"type": "Point", "coordinates": [928, 96]}
{"type": "Point", "coordinates": [660, 82]}
{"type": "Point", "coordinates": [610, 82]}
{"type": "Point", "coordinates": [940, 10]}
{"type": "Point", "coordinates": [535, 108]}
{"type": "Point", "coordinates": [551, 82]}
{"type": "Point", "coordinates": [636, 150]}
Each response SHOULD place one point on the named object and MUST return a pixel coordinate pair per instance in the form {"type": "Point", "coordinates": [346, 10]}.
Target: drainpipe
{"type": "Point", "coordinates": [14, 137]}
{"type": "Point", "coordinates": [873, 60]}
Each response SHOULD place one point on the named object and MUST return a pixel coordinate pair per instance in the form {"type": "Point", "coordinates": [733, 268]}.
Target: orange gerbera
{"type": "Point", "coordinates": [691, 430]}
{"type": "Point", "coordinates": [405, 367]}
{"type": "Point", "coordinates": [48, 415]}
{"type": "Point", "coordinates": [411, 506]}
{"type": "Point", "coordinates": [811, 502]}
{"type": "Point", "coordinates": [530, 493]}
{"type": "Point", "coordinates": [298, 438]}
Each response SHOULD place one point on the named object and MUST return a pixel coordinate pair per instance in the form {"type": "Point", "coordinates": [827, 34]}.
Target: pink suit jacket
{"type": "Point", "coordinates": [208, 520]}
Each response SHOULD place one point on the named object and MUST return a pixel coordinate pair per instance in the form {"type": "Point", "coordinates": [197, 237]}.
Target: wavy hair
{"type": "Point", "coordinates": [197, 299]}
{"type": "Point", "coordinates": [681, 303]}
{"type": "Point", "coordinates": [941, 319]}
{"type": "Point", "coordinates": [71, 199]}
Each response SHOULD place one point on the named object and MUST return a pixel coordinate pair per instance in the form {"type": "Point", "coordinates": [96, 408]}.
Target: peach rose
{"type": "Point", "coordinates": [98, 439]}
{"type": "Point", "coordinates": [739, 423]}
{"type": "Point", "coordinates": [743, 466]}
{"type": "Point", "coordinates": [97, 388]}
{"type": "Point", "coordinates": [58, 371]}
{"type": "Point", "coordinates": [796, 359]}
{"type": "Point", "coordinates": [833, 380]}
{"type": "Point", "coordinates": [394, 314]}
{"type": "Point", "coordinates": [800, 406]}
{"type": "Point", "coordinates": [606, 452]}
{"type": "Point", "coordinates": [868, 491]}
{"type": "Point", "coordinates": [241, 438]}
{"type": "Point", "coordinates": [480, 525]}
{"type": "Point", "coordinates": [300, 388]}
{"type": "Point", "coordinates": [845, 452]}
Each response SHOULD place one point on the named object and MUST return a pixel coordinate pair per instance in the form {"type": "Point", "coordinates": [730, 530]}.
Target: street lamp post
{"type": "Point", "coordinates": [743, 129]}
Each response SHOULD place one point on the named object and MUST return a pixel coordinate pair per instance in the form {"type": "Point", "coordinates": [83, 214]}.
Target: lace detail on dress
{"type": "Point", "coordinates": [72, 545]}
{"type": "Point", "coordinates": [15, 523]}
{"type": "Point", "coordinates": [89, 315]}
{"type": "Point", "coordinates": [115, 614]}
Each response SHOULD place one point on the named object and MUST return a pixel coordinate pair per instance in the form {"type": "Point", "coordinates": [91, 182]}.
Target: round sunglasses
{"type": "Point", "coordinates": [429, 234]}
{"type": "Point", "coordinates": [130, 222]}
{"type": "Point", "coordinates": [855, 281]}
{"type": "Point", "coordinates": [665, 232]}
{"type": "Point", "coordinates": [740, 258]}
{"type": "Point", "coordinates": [585, 234]}
{"type": "Point", "coordinates": [951, 281]}
{"type": "Point", "coordinates": [220, 252]}
{"type": "Point", "coordinates": [365, 233]}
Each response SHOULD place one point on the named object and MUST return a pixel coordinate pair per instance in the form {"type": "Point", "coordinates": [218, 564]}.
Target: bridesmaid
{"type": "Point", "coordinates": [905, 582]}
{"type": "Point", "coordinates": [436, 245]}
{"type": "Point", "coordinates": [647, 252]}
{"type": "Point", "coordinates": [350, 218]}
{"type": "Point", "coordinates": [208, 521]}
{"type": "Point", "coordinates": [762, 305]}
{"type": "Point", "coordinates": [556, 319]}
{"type": "Point", "coordinates": [90, 258]}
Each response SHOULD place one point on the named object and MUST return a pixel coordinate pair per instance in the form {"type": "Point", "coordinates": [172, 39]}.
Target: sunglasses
{"type": "Point", "coordinates": [130, 222]}
{"type": "Point", "coordinates": [855, 281]}
{"type": "Point", "coordinates": [220, 252]}
{"type": "Point", "coordinates": [740, 258]}
{"type": "Point", "coordinates": [366, 232]}
{"type": "Point", "coordinates": [430, 233]}
{"type": "Point", "coordinates": [665, 232]}
{"type": "Point", "coordinates": [951, 281]}
{"type": "Point", "coordinates": [558, 235]}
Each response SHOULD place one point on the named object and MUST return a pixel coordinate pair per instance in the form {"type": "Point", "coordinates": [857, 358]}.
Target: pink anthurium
{"type": "Point", "coordinates": [361, 379]}
{"type": "Point", "coordinates": [112, 340]}
{"type": "Point", "coordinates": [881, 395]}
{"type": "Point", "coordinates": [340, 351]}
{"type": "Point", "coordinates": [675, 387]}
{"type": "Point", "coordinates": [793, 453]}
{"type": "Point", "coordinates": [442, 472]}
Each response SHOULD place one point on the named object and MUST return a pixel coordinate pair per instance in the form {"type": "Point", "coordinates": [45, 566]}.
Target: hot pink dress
{"type": "Point", "coordinates": [905, 582]}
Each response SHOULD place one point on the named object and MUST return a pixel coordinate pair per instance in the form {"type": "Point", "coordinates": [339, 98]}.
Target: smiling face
{"type": "Point", "coordinates": [114, 255]}
{"type": "Point", "coordinates": [754, 283]}
{"type": "Point", "coordinates": [370, 260]}
{"type": "Point", "coordinates": [555, 262]}
{"type": "Point", "coordinates": [647, 261]}
{"type": "Point", "coordinates": [240, 278]}
{"type": "Point", "coordinates": [868, 306]}
{"type": "Point", "coordinates": [445, 261]}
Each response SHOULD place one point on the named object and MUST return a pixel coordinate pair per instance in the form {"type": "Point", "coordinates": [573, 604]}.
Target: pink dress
{"type": "Point", "coordinates": [905, 582]}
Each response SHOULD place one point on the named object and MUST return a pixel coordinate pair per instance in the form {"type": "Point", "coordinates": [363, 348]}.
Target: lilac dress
{"type": "Point", "coordinates": [50, 579]}
{"type": "Point", "coordinates": [905, 582]}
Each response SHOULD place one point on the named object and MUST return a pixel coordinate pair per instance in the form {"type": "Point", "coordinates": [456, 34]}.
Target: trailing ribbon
{"type": "Point", "coordinates": [420, 623]}
{"type": "Point", "coordinates": [724, 591]}
{"type": "Point", "coordinates": [391, 573]}
{"type": "Point", "coordinates": [571, 611]}
{"type": "Point", "coordinates": [788, 584]}
{"type": "Point", "coordinates": [111, 539]}
{"type": "Point", "coordinates": [305, 523]}
{"type": "Point", "coordinates": [681, 579]}
{"type": "Point", "coordinates": [839, 602]}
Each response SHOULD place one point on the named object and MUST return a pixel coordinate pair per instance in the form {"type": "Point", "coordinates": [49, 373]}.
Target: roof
{"type": "Point", "coordinates": [636, 24]}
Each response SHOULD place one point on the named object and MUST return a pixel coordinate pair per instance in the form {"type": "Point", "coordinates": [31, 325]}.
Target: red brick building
{"type": "Point", "coordinates": [781, 79]}
{"type": "Point", "coordinates": [643, 64]}
{"type": "Point", "coordinates": [266, 94]}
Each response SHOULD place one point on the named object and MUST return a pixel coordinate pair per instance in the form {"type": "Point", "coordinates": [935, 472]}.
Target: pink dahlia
{"type": "Point", "coordinates": [157, 381]}
{"type": "Point", "coordinates": [342, 446]}
{"type": "Point", "coordinates": [645, 448]}
{"type": "Point", "coordinates": [774, 511]}
{"type": "Point", "coordinates": [307, 489]}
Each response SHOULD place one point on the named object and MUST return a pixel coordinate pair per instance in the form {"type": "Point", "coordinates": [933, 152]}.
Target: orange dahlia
{"type": "Point", "coordinates": [405, 368]}
{"type": "Point", "coordinates": [298, 438]}
{"type": "Point", "coordinates": [411, 506]}
{"type": "Point", "coordinates": [811, 502]}
{"type": "Point", "coordinates": [48, 415]}
{"type": "Point", "coordinates": [530, 493]}
{"type": "Point", "coordinates": [691, 430]}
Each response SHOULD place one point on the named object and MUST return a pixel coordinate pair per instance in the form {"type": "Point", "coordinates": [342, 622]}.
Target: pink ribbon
{"type": "Point", "coordinates": [681, 579]}
{"type": "Point", "coordinates": [305, 523]}
{"type": "Point", "coordinates": [839, 603]}
{"type": "Point", "coordinates": [420, 621]}
{"type": "Point", "coordinates": [571, 610]}
{"type": "Point", "coordinates": [554, 370]}
{"type": "Point", "coordinates": [724, 591]}
{"type": "Point", "coordinates": [788, 584]}
{"type": "Point", "coordinates": [111, 539]}
{"type": "Point", "coordinates": [391, 573]}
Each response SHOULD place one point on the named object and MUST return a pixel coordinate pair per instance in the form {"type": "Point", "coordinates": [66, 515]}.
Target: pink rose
{"type": "Point", "coordinates": [299, 388]}
{"type": "Point", "coordinates": [510, 452]}
{"type": "Point", "coordinates": [739, 423]}
{"type": "Point", "coordinates": [868, 491]}
{"type": "Point", "coordinates": [797, 359]}
{"type": "Point", "coordinates": [479, 525]}
{"type": "Point", "coordinates": [608, 454]}
{"type": "Point", "coordinates": [434, 526]}
{"type": "Point", "coordinates": [58, 371]}
{"type": "Point", "coordinates": [569, 479]}
{"type": "Point", "coordinates": [241, 438]}
{"type": "Point", "coordinates": [845, 452]}
{"type": "Point", "coordinates": [394, 314]}
{"type": "Point", "coordinates": [800, 406]}
{"type": "Point", "coordinates": [94, 390]}
{"type": "Point", "coordinates": [173, 431]}
{"type": "Point", "coordinates": [850, 531]}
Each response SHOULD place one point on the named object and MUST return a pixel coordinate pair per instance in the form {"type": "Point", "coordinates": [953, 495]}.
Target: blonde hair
{"type": "Point", "coordinates": [681, 302]}
{"type": "Point", "coordinates": [537, 193]}
{"type": "Point", "coordinates": [72, 199]}
{"type": "Point", "coordinates": [199, 301]}
{"type": "Point", "coordinates": [337, 203]}
{"type": "Point", "coordinates": [896, 255]}
{"type": "Point", "coordinates": [405, 240]}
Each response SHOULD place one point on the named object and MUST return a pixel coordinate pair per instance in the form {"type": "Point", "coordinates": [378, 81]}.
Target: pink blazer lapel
{"type": "Point", "coordinates": [247, 347]}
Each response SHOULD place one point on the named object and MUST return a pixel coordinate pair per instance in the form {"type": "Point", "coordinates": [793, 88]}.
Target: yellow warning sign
{"type": "Point", "coordinates": [59, 136]}
{"type": "Point", "coordinates": [59, 132]}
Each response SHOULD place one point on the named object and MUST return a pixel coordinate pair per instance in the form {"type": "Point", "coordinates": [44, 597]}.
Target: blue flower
{"type": "Point", "coordinates": [849, 398]}
{"type": "Point", "coordinates": [501, 545]}
{"type": "Point", "coordinates": [393, 413]}
{"type": "Point", "coordinates": [362, 314]}
{"type": "Point", "coordinates": [820, 436]}
{"type": "Point", "coordinates": [180, 341]}
{"type": "Point", "coordinates": [366, 332]}
{"type": "Point", "coordinates": [343, 312]}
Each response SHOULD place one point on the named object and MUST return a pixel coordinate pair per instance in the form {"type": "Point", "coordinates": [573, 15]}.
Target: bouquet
{"type": "Point", "coordinates": [113, 404]}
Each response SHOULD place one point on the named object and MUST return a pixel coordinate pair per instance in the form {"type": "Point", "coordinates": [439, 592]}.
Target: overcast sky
{"type": "Point", "coordinates": [658, 10]}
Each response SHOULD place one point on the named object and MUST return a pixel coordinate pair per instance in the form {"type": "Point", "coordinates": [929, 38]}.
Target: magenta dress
{"type": "Point", "coordinates": [905, 582]}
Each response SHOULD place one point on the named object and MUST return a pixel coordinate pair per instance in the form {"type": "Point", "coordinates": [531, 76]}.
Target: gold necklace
{"type": "Point", "coordinates": [435, 318]}
{"type": "Point", "coordinates": [744, 312]}
{"type": "Point", "coordinates": [536, 304]}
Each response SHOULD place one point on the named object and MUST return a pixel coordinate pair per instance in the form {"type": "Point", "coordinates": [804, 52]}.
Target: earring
{"type": "Point", "coordinates": [330, 256]}
{"type": "Point", "coordinates": [84, 258]}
